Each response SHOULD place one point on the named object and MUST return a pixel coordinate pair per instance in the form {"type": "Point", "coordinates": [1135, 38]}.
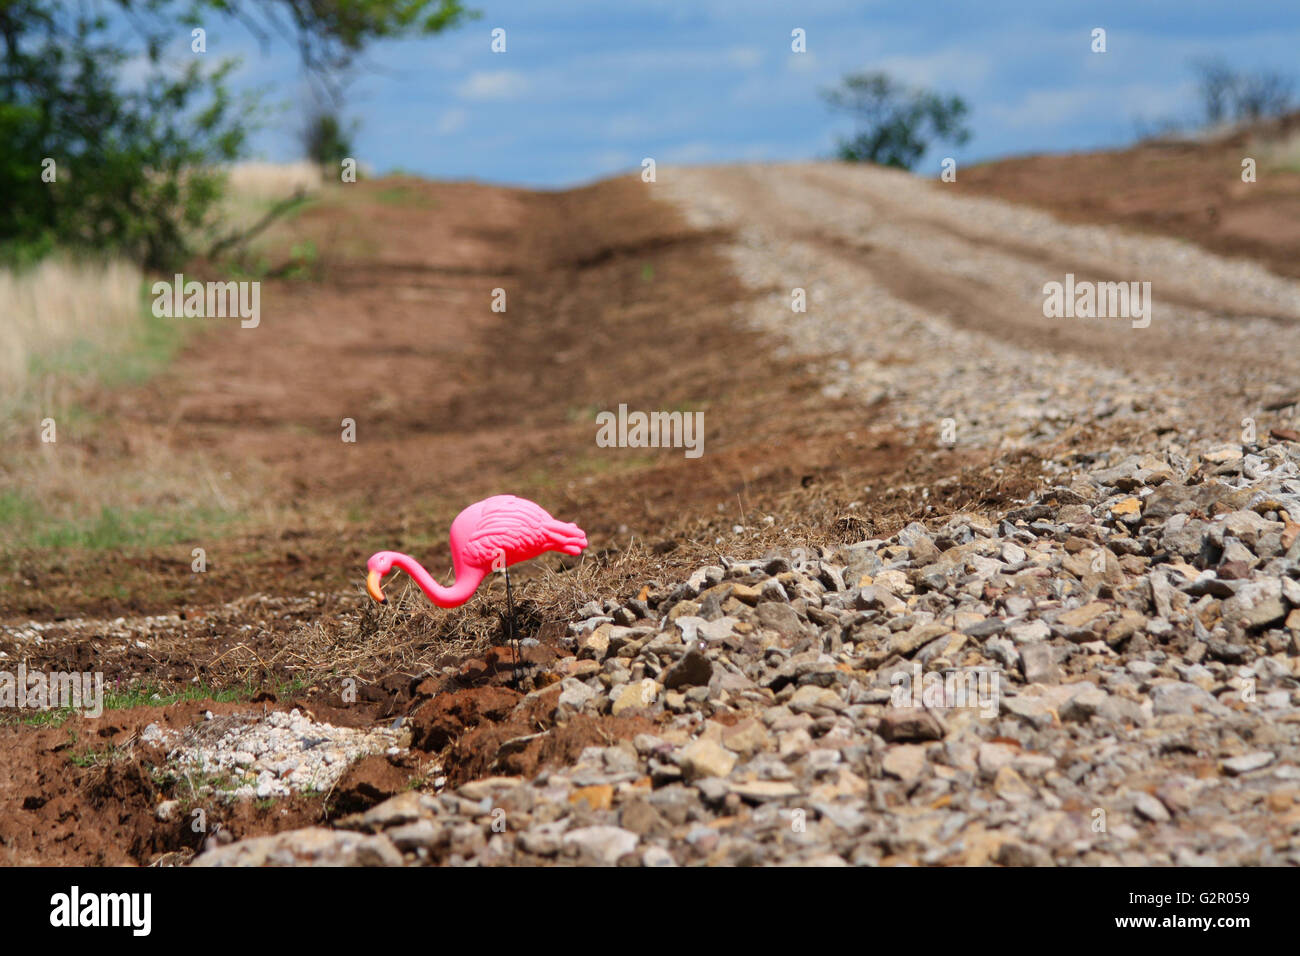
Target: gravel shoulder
{"type": "Point", "coordinates": [1106, 676]}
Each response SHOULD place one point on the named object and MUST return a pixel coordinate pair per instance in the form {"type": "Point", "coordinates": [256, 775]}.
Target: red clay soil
{"type": "Point", "coordinates": [494, 730]}
{"type": "Point", "coordinates": [86, 792]}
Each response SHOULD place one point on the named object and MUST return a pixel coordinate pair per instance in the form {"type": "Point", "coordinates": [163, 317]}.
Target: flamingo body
{"type": "Point", "coordinates": [488, 535]}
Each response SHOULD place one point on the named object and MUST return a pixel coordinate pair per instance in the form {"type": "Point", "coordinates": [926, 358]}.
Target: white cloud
{"type": "Point", "coordinates": [492, 85]}
{"type": "Point", "coordinates": [1048, 108]}
{"type": "Point", "coordinates": [802, 62]}
{"type": "Point", "coordinates": [745, 57]}
{"type": "Point", "coordinates": [962, 69]}
{"type": "Point", "coordinates": [1052, 109]}
{"type": "Point", "coordinates": [451, 121]}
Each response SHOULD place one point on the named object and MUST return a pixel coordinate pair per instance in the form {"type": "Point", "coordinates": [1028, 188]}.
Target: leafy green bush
{"type": "Point", "coordinates": [900, 122]}
{"type": "Point", "coordinates": [92, 165]}
{"type": "Point", "coordinates": [326, 140]}
{"type": "Point", "coordinates": [93, 161]}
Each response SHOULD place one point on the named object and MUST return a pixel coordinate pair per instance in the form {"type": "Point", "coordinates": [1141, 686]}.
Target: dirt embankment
{"type": "Point", "coordinates": [1189, 190]}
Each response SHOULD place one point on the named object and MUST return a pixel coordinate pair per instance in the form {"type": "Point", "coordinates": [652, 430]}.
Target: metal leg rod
{"type": "Point", "coordinates": [510, 627]}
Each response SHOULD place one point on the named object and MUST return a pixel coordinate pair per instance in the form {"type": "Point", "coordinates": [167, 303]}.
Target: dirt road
{"type": "Point", "coordinates": [610, 298]}
{"type": "Point", "coordinates": [961, 282]}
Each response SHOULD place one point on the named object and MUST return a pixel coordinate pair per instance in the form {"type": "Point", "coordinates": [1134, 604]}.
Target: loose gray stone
{"type": "Point", "coordinates": [602, 845]}
{"type": "Point", "coordinates": [694, 669]}
{"type": "Point", "coordinates": [1150, 808]}
{"type": "Point", "coordinates": [1247, 763]}
{"type": "Point", "coordinates": [1179, 698]}
{"type": "Point", "coordinates": [1039, 663]}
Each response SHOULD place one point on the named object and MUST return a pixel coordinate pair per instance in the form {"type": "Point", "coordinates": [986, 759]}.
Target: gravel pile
{"type": "Point", "coordinates": [1106, 675]}
{"type": "Point", "coordinates": [273, 755]}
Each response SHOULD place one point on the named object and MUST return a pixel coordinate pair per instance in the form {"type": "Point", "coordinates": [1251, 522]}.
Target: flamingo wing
{"type": "Point", "coordinates": [519, 528]}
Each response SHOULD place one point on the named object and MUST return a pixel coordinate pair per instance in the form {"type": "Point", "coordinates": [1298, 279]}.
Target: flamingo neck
{"type": "Point", "coordinates": [468, 579]}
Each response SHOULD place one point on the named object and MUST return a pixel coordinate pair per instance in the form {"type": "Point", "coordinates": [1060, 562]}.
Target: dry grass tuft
{"type": "Point", "coordinates": [70, 495]}
{"type": "Point", "coordinates": [411, 637]}
{"type": "Point", "coordinates": [1282, 153]}
{"type": "Point", "coordinates": [57, 306]}
{"type": "Point", "coordinates": [274, 181]}
{"type": "Point", "coordinates": [406, 636]}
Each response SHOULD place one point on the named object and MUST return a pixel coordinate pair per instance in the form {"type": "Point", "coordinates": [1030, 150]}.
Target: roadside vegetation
{"type": "Point", "coordinates": [122, 161]}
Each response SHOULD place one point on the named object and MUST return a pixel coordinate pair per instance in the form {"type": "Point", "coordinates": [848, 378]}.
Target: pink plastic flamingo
{"type": "Point", "coordinates": [489, 535]}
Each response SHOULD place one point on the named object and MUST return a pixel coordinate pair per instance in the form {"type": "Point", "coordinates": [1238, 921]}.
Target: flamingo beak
{"type": "Point", "coordinates": [373, 589]}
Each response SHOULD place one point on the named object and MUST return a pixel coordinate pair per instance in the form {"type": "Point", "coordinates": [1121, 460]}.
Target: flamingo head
{"type": "Point", "coordinates": [380, 563]}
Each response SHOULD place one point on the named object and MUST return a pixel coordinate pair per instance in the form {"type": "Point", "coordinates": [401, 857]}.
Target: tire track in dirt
{"type": "Point", "coordinates": [1190, 189]}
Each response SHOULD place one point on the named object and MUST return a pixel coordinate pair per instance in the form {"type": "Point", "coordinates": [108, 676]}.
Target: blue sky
{"type": "Point", "coordinates": [587, 88]}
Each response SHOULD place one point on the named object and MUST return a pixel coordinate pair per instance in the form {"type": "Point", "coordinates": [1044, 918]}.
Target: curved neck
{"type": "Point", "coordinates": [467, 581]}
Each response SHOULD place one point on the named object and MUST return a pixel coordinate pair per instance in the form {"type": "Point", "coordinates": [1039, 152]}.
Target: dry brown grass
{"type": "Point", "coordinates": [273, 181]}
{"type": "Point", "coordinates": [67, 312]}
{"type": "Point", "coordinates": [405, 636]}
{"type": "Point", "coordinates": [411, 637]}
{"type": "Point", "coordinates": [57, 306]}
{"type": "Point", "coordinates": [68, 494]}
{"type": "Point", "coordinates": [252, 188]}
{"type": "Point", "coordinates": [69, 328]}
{"type": "Point", "coordinates": [1281, 153]}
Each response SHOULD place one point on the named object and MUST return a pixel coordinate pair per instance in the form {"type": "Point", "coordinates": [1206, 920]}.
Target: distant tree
{"type": "Point", "coordinates": [325, 138]}
{"type": "Point", "coordinates": [899, 123]}
{"type": "Point", "coordinates": [1216, 83]}
{"type": "Point", "coordinates": [133, 159]}
{"type": "Point", "coordinates": [1264, 94]}
{"type": "Point", "coordinates": [1229, 95]}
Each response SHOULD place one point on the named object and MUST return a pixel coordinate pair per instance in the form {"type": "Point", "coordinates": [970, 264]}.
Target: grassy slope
{"type": "Point", "coordinates": [74, 329]}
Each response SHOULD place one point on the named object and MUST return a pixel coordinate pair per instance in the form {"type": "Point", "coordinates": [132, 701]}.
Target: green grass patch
{"type": "Point", "coordinates": [95, 758]}
{"type": "Point", "coordinates": [25, 524]}
{"type": "Point", "coordinates": [54, 717]}
{"type": "Point", "coordinates": [135, 357]}
{"type": "Point", "coordinates": [403, 196]}
{"type": "Point", "coordinates": [150, 694]}
{"type": "Point", "coordinates": [302, 261]}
